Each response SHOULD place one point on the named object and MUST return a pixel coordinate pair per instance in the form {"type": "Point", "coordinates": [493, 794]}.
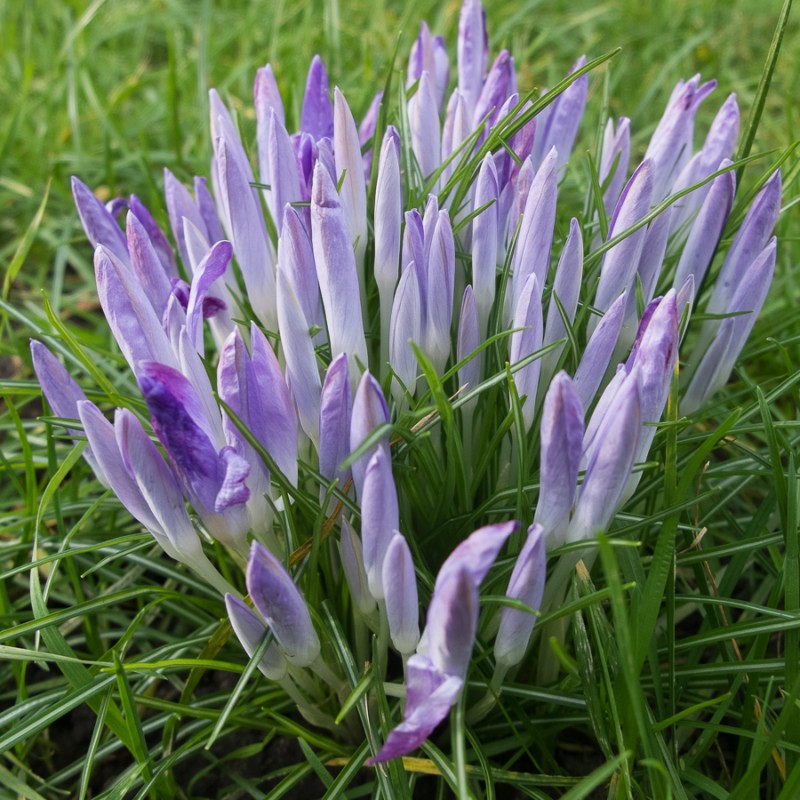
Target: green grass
{"type": "Point", "coordinates": [680, 677]}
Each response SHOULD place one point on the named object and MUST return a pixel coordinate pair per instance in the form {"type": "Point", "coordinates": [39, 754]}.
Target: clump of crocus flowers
{"type": "Point", "coordinates": [391, 283]}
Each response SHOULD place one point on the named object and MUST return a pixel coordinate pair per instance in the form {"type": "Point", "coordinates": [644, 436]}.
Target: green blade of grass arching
{"type": "Point", "coordinates": [757, 110]}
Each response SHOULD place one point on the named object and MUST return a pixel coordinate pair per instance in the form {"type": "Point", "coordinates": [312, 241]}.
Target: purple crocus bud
{"type": "Point", "coordinates": [214, 481]}
{"type": "Point", "coordinates": [281, 605]}
{"type": "Point", "coordinates": [423, 117]}
{"type": "Point", "coordinates": [609, 468]}
{"type": "Point", "coordinates": [131, 317]}
{"type": "Point", "coordinates": [596, 357]}
{"type": "Point", "coordinates": [620, 262]}
{"type": "Point", "coordinates": [484, 242]}
{"type": "Point", "coordinates": [267, 99]}
{"type": "Point", "coordinates": [302, 373]}
{"type": "Point", "coordinates": [614, 161]}
{"type": "Point", "coordinates": [100, 227]}
{"type": "Point", "coordinates": [250, 631]}
{"type": "Point", "coordinates": [369, 411]}
{"type": "Point", "coordinates": [208, 211]}
{"type": "Point", "coordinates": [651, 259]}
{"type": "Point", "coordinates": [526, 340]}
{"type": "Point", "coordinates": [496, 89]}
{"type": "Point", "coordinates": [180, 206]}
{"type": "Point", "coordinates": [284, 176]}
{"type": "Point", "coordinates": [247, 231]}
{"type": "Point", "coordinates": [400, 589]}
{"type": "Point", "coordinates": [350, 176]}
{"type": "Point", "coordinates": [469, 340]}
{"type": "Point", "coordinates": [317, 115]}
{"type": "Point", "coordinates": [379, 517]}
{"type": "Point", "coordinates": [63, 394]}
{"type": "Point", "coordinates": [707, 229]}
{"type": "Point", "coordinates": [436, 673]}
{"type": "Point", "coordinates": [103, 441]}
{"type": "Point", "coordinates": [561, 446]}
{"type": "Point", "coordinates": [719, 146]}
{"type": "Point", "coordinates": [670, 147]}
{"type": "Point", "coordinates": [388, 222]}
{"type": "Point", "coordinates": [254, 388]}
{"type": "Point", "coordinates": [335, 410]}
{"type": "Point", "coordinates": [296, 258]}
{"type": "Point", "coordinates": [429, 54]}
{"type": "Point", "coordinates": [457, 127]}
{"type": "Point", "coordinates": [413, 240]}
{"type": "Point", "coordinates": [653, 365]}
{"type": "Point", "coordinates": [336, 272]}
{"type": "Point", "coordinates": [714, 368]}
{"type": "Point", "coordinates": [526, 585]}
{"type": "Point", "coordinates": [563, 119]}
{"type": "Point", "coordinates": [405, 327]}
{"type": "Point", "coordinates": [147, 266]}
{"type": "Point", "coordinates": [566, 289]}
{"type": "Point", "coordinates": [441, 268]}
{"type": "Point", "coordinates": [157, 238]}
{"type": "Point", "coordinates": [532, 255]}
{"type": "Point", "coordinates": [473, 52]}
{"type": "Point", "coordinates": [353, 567]}
{"type": "Point", "coordinates": [750, 240]}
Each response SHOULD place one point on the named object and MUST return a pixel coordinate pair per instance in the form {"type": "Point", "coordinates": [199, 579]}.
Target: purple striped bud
{"type": "Point", "coordinates": [566, 288]}
{"type": "Point", "coordinates": [423, 117]}
{"type": "Point", "coordinates": [614, 160]}
{"type": "Point", "coordinates": [284, 175]}
{"type": "Point", "coordinates": [596, 357]}
{"type": "Point", "coordinates": [563, 120]}
{"type": "Point", "coordinates": [247, 231]}
{"type": "Point", "coordinates": [147, 266]}
{"type": "Point", "coordinates": [609, 468]}
{"type": "Point", "coordinates": [496, 88]}
{"type": "Point", "coordinates": [561, 446]}
{"type": "Point", "coordinates": [400, 590]}
{"type": "Point", "coordinates": [281, 605]}
{"type": "Point", "coordinates": [405, 327]}
{"type": "Point", "coordinates": [369, 411]}
{"type": "Point", "coordinates": [350, 176]}
{"type": "Point", "coordinates": [469, 340]}
{"type": "Point", "coordinates": [706, 229]}
{"type": "Point", "coordinates": [532, 256]}
{"type": "Point", "coordinates": [526, 585]}
{"type": "Point", "coordinates": [484, 242]}
{"type": "Point", "coordinates": [302, 374]}
{"type": "Point", "coordinates": [250, 631]}
{"type": "Point", "coordinates": [473, 51]}
{"type": "Point", "coordinates": [353, 567]}
{"type": "Point", "coordinates": [714, 367]}
{"type": "Point", "coordinates": [317, 114]}
{"type": "Point", "coordinates": [620, 262]}
{"type": "Point", "coordinates": [100, 227]}
{"type": "Point", "coordinates": [441, 268]}
{"type": "Point", "coordinates": [526, 340]}
{"type": "Point", "coordinates": [670, 146]}
{"type": "Point", "coordinates": [63, 394]}
{"type": "Point", "coordinates": [379, 518]}
{"type": "Point", "coordinates": [336, 272]}
{"type": "Point", "coordinates": [129, 313]}
{"type": "Point", "coordinates": [335, 410]}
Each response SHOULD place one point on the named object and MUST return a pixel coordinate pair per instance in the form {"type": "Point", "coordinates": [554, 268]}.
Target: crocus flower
{"type": "Point", "coordinates": [436, 673]}
{"type": "Point", "coordinates": [281, 605]}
